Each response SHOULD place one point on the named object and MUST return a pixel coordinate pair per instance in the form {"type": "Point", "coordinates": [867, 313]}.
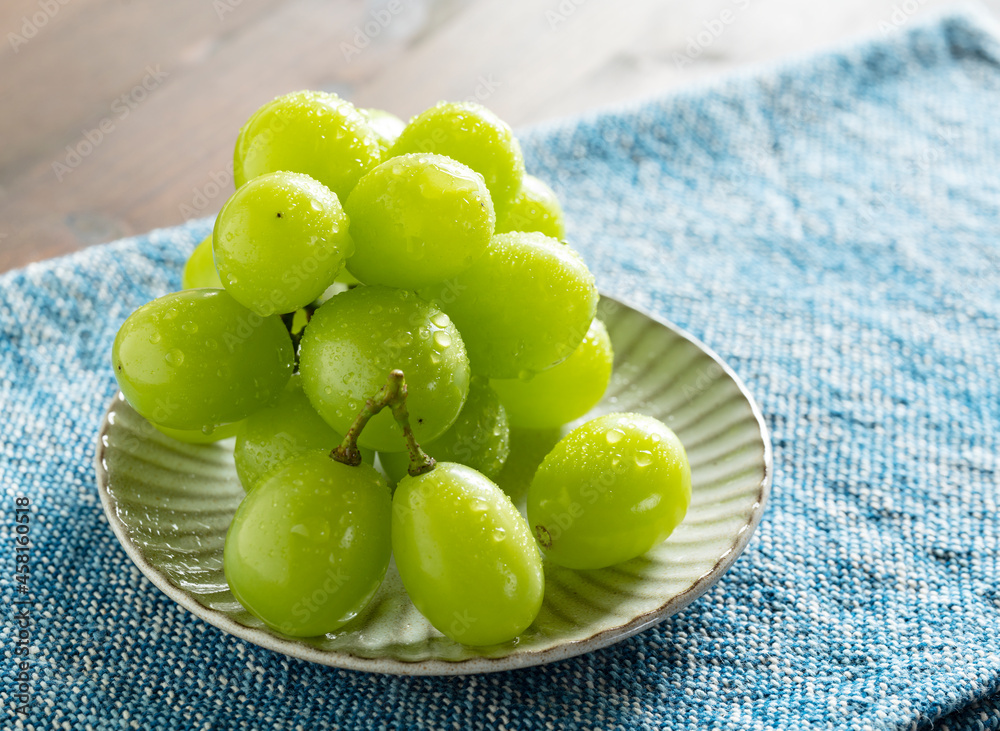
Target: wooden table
{"type": "Point", "coordinates": [119, 115]}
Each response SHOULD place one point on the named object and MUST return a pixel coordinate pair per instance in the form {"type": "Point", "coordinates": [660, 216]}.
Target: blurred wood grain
{"type": "Point", "coordinates": [119, 115]}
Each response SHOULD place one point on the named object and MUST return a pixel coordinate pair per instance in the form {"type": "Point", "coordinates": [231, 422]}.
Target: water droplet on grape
{"type": "Point", "coordinates": [375, 309]}
{"type": "Point", "coordinates": [316, 205]}
{"type": "Point", "coordinates": [643, 458]}
{"type": "Point", "coordinates": [207, 430]}
{"type": "Point", "coordinates": [154, 338]}
{"type": "Point", "coordinates": [656, 438]}
{"type": "Point", "coordinates": [174, 357]}
{"type": "Point", "coordinates": [614, 435]}
{"type": "Point", "coordinates": [440, 319]}
{"type": "Point", "coordinates": [499, 534]}
{"type": "Point", "coordinates": [190, 327]}
{"type": "Point", "coordinates": [442, 340]}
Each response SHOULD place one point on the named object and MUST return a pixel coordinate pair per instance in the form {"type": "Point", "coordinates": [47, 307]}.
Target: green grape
{"type": "Point", "coordinates": [200, 269]}
{"type": "Point", "coordinates": [418, 220]}
{"type": "Point", "coordinates": [522, 307]}
{"type": "Point", "coordinates": [279, 242]}
{"type": "Point", "coordinates": [465, 555]}
{"type": "Point", "coordinates": [309, 546]}
{"type": "Point", "coordinates": [609, 491]}
{"type": "Point", "coordinates": [479, 438]}
{"type": "Point", "coordinates": [565, 391]}
{"type": "Point", "coordinates": [473, 135]}
{"type": "Point", "coordinates": [359, 336]}
{"type": "Point", "coordinates": [280, 431]}
{"type": "Point", "coordinates": [536, 208]}
{"type": "Point", "coordinates": [197, 358]}
{"type": "Point", "coordinates": [309, 132]}
{"type": "Point", "coordinates": [386, 127]}
{"type": "Point", "coordinates": [197, 436]}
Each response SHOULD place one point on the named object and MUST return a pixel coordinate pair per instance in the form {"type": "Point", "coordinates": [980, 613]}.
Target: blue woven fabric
{"type": "Point", "coordinates": [831, 228]}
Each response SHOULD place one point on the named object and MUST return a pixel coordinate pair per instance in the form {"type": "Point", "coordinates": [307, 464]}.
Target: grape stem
{"type": "Point", "coordinates": [420, 461]}
{"type": "Point", "coordinates": [392, 395]}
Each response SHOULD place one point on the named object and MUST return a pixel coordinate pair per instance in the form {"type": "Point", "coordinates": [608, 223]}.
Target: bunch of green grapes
{"type": "Point", "coordinates": [400, 287]}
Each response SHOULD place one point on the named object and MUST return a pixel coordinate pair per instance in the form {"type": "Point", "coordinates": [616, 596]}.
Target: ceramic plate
{"type": "Point", "coordinates": [170, 505]}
